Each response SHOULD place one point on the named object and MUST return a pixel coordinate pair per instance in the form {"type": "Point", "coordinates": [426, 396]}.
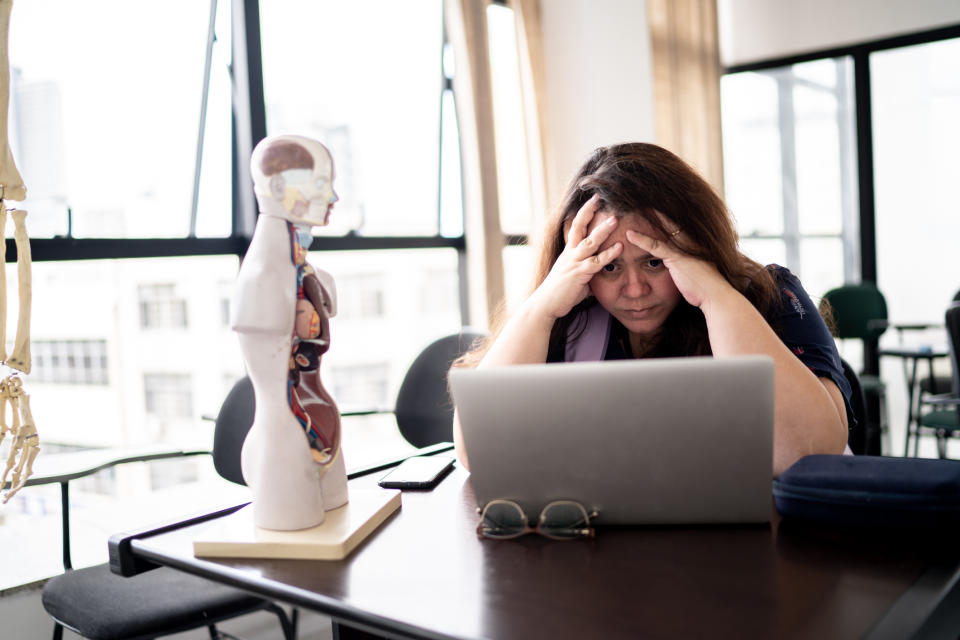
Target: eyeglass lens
{"type": "Point", "coordinates": [564, 520]}
{"type": "Point", "coordinates": [502, 519]}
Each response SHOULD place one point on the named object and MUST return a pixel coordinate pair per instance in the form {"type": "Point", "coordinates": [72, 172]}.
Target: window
{"type": "Point", "coordinates": [915, 173]}
{"type": "Point", "coordinates": [790, 168]}
{"type": "Point", "coordinates": [161, 307]}
{"type": "Point", "coordinates": [438, 292]}
{"type": "Point", "coordinates": [369, 89]}
{"type": "Point", "coordinates": [69, 361]}
{"type": "Point", "coordinates": [379, 320]}
{"type": "Point", "coordinates": [106, 138]}
{"type": "Point", "coordinates": [513, 173]}
{"type": "Point", "coordinates": [133, 237]}
{"type": "Point", "coordinates": [361, 386]}
{"type": "Point", "coordinates": [360, 295]}
{"type": "Point", "coordinates": [168, 395]}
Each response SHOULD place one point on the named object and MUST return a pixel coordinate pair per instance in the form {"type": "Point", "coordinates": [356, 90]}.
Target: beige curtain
{"type": "Point", "coordinates": [528, 22]}
{"type": "Point", "coordinates": [466, 24]}
{"type": "Point", "coordinates": [686, 80]}
{"type": "Point", "coordinates": [10, 180]}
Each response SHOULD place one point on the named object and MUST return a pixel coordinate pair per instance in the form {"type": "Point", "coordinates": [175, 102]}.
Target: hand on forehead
{"type": "Point", "coordinates": [627, 222]}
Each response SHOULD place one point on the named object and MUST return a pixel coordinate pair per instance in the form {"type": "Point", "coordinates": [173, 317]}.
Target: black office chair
{"type": "Point", "coordinates": [100, 605]}
{"type": "Point", "coordinates": [937, 383]}
{"type": "Point", "coordinates": [864, 437]}
{"type": "Point", "coordinates": [424, 410]}
{"type": "Point", "coordinates": [945, 422]}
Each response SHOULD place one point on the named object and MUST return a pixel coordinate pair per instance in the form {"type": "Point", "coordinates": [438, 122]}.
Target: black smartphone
{"type": "Point", "coordinates": [420, 472]}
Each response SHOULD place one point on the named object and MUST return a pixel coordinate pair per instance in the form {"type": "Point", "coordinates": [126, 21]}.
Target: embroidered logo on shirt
{"type": "Point", "coordinates": [795, 302]}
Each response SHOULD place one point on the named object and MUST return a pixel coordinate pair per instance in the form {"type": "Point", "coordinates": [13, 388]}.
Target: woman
{"type": "Point", "coordinates": [641, 261]}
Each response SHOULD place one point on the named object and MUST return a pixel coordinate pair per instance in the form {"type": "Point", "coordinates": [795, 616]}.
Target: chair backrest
{"type": "Point", "coordinates": [232, 424]}
{"type": "Point", "coordinates": [952, 322]}
{"type": "Point", "coordinates": [424, 410]}
{"type": "Point", "coordinates": [853, 306]}
{"type": "Point", "coordinates": [861, 439]}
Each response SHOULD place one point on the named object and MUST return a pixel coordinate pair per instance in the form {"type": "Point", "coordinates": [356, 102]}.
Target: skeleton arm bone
{"type": "Point", "coordinates": [27, 442]}
{"type": "Point", "coordinates": [20, 358]}
{"type": "Point", "coordinates": [17, 445]}
{"type": "Point", "coordinates": [3, 285]}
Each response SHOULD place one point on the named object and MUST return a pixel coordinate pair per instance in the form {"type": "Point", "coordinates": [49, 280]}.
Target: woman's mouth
{"type": "Point", "coordinates": [638, 314]}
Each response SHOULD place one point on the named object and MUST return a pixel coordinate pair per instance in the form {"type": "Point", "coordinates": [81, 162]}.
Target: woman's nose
{"type": "Point", "coordinates": [635, 284]}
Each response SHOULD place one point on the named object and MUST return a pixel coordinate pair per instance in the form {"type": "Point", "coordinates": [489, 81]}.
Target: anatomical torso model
{"type": "Point", "coordinates": [291, 458]}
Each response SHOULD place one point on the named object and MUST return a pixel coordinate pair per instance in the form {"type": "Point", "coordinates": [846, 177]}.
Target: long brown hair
{"type": "Point", "coordinates": [644, 179]}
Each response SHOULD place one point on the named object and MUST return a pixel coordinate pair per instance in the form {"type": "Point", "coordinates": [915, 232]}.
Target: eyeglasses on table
{"type": "Point", "coordinates": [559, 520]}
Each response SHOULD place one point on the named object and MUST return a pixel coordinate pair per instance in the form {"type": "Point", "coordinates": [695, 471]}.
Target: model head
{"type": "Point", "coordinates": [293, 179]}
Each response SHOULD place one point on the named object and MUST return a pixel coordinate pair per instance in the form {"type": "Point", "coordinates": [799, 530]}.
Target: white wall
{"type": "Point", "coordinates": [599, 84]}
{"type": "Point", "coordinates": [752, 30]}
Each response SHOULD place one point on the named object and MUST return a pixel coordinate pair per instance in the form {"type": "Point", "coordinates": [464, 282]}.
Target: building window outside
{"type": "Point", "coordinates": [161, 307]}
{"type": "Point", "coordinates": [439, 291]}
{"type": "Point", "coordinates": [360, 296]}
{"type": "Point", "coordinates": [168, 395]}
{"type": "Point", "coordinates": [361, 386]}
{"type": "Point", "coordinates": [70, 361]}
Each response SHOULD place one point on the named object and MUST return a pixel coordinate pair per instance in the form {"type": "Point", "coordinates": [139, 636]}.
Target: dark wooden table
{"type": "Point", "coordinates": [425, 574]}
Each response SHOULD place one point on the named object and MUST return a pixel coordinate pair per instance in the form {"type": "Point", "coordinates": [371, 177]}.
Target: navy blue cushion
{"type": "Point", "coordinates": [876, 490]}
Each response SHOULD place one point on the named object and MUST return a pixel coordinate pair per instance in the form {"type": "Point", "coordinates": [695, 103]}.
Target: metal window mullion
{"type": "Point", "coordinates": [249, 113]}
{"type": "Point", "coordinates": [862, 98]}
{"type": "Point", "coordinates": [202, 127]}
{"type": "Point", "coordinates": [850, 215]}
{"type": "Point", "coordinates": [786, 122]}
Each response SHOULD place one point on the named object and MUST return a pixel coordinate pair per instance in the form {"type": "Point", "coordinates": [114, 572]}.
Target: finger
{"type": "Point", "coordinates": [578, 228]}
{"type": "Point", "coordinates": [597, 236]}
{"type": "Point", "coordinates": [605, 257]}
{"type": "Point", "coordinates": [653, 246]}
{"type": "Point", "coordinates": [593, 264]}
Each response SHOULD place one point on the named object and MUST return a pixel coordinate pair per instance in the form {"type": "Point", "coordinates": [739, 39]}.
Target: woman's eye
{"type": "Point", "coordinates": [609, 268]}
{"type": "Point", "coordinates": [654, 263]}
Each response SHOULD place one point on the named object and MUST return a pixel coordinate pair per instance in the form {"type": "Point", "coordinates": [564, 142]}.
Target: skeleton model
{"type": "Point", "coordinates": [291, 458]}
{"type": "Point", "coordinates": [24, 446]}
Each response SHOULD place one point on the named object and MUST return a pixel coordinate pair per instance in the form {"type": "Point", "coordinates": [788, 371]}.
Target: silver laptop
{"type": "Point", "coordinates": [660, 441]}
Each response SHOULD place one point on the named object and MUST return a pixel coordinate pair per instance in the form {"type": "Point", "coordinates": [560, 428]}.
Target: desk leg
{"type": "Point", "coordinates": [65, 523]}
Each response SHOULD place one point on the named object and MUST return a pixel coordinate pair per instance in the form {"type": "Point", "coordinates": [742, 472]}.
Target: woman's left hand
{"type": "Point", "coordinates": [697, 280]}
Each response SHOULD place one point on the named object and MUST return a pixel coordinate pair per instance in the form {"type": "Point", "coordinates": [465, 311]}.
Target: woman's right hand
{"type": "Point", "coordinates": [567, 284]}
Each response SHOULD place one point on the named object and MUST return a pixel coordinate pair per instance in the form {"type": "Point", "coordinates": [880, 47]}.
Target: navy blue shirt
{"type": "Point", "coordinates": [803, 330]}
